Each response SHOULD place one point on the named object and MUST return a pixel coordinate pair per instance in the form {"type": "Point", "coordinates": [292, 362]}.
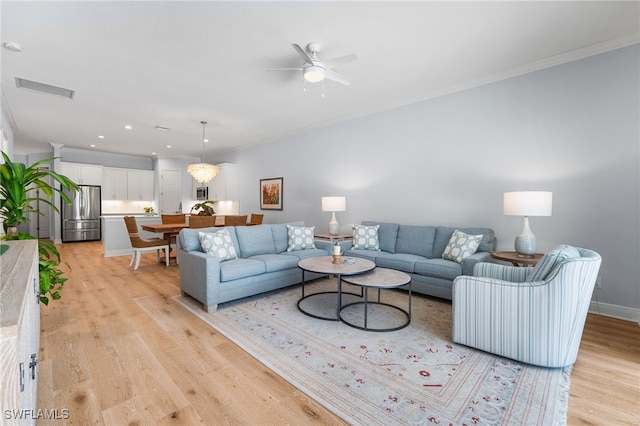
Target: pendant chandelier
{"type": "Point", "coordinates": [202, 172]}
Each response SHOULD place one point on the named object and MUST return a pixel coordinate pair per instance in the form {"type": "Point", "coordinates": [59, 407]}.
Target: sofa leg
{"type": "Point", "coordinates": [211, 308]}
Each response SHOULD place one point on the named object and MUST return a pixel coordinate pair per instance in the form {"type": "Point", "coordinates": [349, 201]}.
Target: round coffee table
{"type": "Point", "coordinates": [324, 265]}
{"type": "Point", "coordinates": [379, 278]}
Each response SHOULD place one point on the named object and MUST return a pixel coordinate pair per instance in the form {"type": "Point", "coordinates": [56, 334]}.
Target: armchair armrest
{"type": "Point", "coordinates": [500, 272]}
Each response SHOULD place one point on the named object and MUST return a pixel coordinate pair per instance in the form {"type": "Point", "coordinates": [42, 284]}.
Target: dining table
{"type": "Point", "coordinates": [165, 228]}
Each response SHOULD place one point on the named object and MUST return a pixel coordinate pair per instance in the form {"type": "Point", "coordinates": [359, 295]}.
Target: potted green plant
{"type": "Point", "coordinates": [16, 202]}
{"type": "Point", "coordinates": [204, 208]}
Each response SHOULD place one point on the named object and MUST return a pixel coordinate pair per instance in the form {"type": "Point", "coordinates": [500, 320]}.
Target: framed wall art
{"type": "Point", "coordinates": [271, 194]}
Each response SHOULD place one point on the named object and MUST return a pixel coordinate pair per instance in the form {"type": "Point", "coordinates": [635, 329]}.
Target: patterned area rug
{"type": "Point", "coordinates": [413, 376]}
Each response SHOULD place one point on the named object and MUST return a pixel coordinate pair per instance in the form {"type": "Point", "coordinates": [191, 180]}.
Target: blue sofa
{"type": "Point", "coordinates": [417, 250]}
{"type": "Point", "coordinates": [263, 264]}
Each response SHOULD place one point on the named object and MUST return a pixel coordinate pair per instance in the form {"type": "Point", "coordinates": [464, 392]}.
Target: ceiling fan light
{"type": "Point", "coordinates": [313, 73]}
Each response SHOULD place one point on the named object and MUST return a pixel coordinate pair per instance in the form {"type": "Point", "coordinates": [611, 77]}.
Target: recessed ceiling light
{"type": "Point", "coordinates": [168, 146]}
{"type": "Point", "coordinates": [128, 127]}
{"type": "Point", "coordinates": [93, 145]}
{"type": "Point", "coordinates": [100, 137]}
{"type": "Point", "coordinates": [205, 140]}
{"type": "Point", "coordinates": [14, 47]}
{"type": "Point", "coordinates": [153, 153]}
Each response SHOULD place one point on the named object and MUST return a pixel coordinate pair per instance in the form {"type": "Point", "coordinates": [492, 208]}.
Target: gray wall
{"type": "Point", "coordinates": [571, 129]}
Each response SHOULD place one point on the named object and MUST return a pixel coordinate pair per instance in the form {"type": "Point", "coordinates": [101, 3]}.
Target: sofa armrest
{"type": "Point", "coordinates": [200, 277]}
{"type": "Point", "coordinates": [470, 262]}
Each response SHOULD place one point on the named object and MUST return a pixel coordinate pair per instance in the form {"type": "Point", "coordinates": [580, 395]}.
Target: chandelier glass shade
{"type": "Point", "coordinates": [202, 172]}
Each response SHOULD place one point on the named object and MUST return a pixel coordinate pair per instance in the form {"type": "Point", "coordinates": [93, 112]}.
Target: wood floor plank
{"type": "Point", "coordinates": [116, 350]}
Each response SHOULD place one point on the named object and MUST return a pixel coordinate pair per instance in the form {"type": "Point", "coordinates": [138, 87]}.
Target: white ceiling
{"type": "Point", "coordinates": [175, 63]}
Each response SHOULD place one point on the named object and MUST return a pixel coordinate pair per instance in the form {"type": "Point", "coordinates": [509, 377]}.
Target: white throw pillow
{"type": "Point", "coordinates": [218, 244]}
{"type": "Point", "coordinates": [300, 238]}
{"type": "Point", "coordinates": [461, 246]}
{"type": "Point", "coordinates": [365, 237]}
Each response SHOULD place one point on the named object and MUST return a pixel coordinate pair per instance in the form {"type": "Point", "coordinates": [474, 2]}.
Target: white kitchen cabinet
{"type": "Point", "coordinates": [223, 186]}
{"type": "Point", "coordinates": [82, 174]}
{"type": "Point", "coordinates": [140, 185]}
{"type": "Point", "coordinates": [19, 331]}
{"type": "Point", "coordinates": [114, 184]}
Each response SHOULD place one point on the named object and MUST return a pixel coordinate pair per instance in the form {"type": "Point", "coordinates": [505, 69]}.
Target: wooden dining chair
{"type": "Point", "coordinates": [196, 221]}
{"type": "Point", "coordinates": [173, 218]}
{"type": "Point", "coordinates": [144, 245]}
{"type": "Point", "coordinates": [256, 219]}
{"type": "Point", "coordinates": [235, 220]}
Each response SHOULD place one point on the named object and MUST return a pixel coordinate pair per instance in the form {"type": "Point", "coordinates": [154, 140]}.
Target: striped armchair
{"type": "Point", "coordinates": [533, 315]}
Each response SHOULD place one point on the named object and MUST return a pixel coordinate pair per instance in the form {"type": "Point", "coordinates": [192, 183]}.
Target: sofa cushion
{"type": "Point", "coordinates": [400, 261]}
{"type": "Point", "coordinates": [303, 254]}
{"type": "Point", "coordinates": [255, 240]}
{"type": "Point", "coordinates": [387, 235]}
{"type": "Point", "coordinates": [218, 244]}
{"type": "Point", "coordinates": [461, 246]}
{"type": "Point", "coordinates": [241, 268]}
{"type": "Point", "coordinates": [550, 260]}
{"type": "Point", "coordinates": [277, 262]}
{"type": "Point", "coordinates": [443, 235]}
{"type": "Point", "coordinates": [440, 268]}
{"type": "Point", "coordinates": [416, 240]}
{"type": "Point", "coordinates": [300, 238]}
{"type": "Point", "coordinates": [364, 254]}
{"type": "Point", "coordinates": [366, 237]}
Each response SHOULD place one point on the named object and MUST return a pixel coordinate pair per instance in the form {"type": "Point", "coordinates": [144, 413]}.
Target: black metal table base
{"type": "Point", "coordinates": [366, 304]}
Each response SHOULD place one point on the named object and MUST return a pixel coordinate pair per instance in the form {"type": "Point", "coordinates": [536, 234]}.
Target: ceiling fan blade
{"type": "Point", "coordinates": [284, 69]}
{"type": "Point", "coordinates": [303, 54]}
{"type": "Point", "coordinates": [332, 63]}
{"type": "Point", "coordinates": [338, 78]}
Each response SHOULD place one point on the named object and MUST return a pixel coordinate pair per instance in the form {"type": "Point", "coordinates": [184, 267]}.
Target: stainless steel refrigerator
{"type": "Point", "coordinates": [81, 218]}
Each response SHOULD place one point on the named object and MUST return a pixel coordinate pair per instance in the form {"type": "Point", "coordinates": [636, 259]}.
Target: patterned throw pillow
{"type": "Point", "coordinates": [218, 244]}
{"type": "Point", "coordinates": [461, 246]}
{"type": "Point", "coordinates": [300, 238]}
{"type": "Point", "coordinates": [365, 237]}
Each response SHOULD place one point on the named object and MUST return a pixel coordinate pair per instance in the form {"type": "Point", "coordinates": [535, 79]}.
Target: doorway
{"type": "Point", "coordinates": [170, 193]}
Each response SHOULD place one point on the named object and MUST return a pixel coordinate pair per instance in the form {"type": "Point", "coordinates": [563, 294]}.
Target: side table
{"type": "Point", "coordinates": [512, 256]}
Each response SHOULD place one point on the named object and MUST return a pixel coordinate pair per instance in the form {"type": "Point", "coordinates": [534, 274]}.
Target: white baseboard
{"type": "Point", "coordinates": [118, 252]}
{"type": "Point", "coordinates": [615, 311]}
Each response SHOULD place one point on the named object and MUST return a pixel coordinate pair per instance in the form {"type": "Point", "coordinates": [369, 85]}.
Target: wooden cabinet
{"type": "Point", "coordinates": [82, 174]}
{"type": "Point", "coordinates": [19, 332]}
{"type": "Point", "coordinates": [223, 186]}
{"type": "Point", "coordinates": [114, 184]}
{"type": "Point", "coordinates": [140, 185]}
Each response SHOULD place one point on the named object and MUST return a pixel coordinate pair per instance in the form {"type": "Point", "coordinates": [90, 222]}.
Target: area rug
{"type": "Point", "coordinates": [413, 376]}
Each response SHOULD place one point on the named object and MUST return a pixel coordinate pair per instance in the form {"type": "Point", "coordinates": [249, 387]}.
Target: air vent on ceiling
{"type": "Point", "coordinates": [44, 88]}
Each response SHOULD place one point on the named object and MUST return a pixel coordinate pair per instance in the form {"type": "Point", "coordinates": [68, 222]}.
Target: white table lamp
{"type": "Point", "coordinates": [527, 203]}
{"type": "Point", "coordinates": [333, 205]}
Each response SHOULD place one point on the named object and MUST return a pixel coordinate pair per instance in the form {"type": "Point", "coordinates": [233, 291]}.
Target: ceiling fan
{"type": "Point", "coordinates": [314, 70]}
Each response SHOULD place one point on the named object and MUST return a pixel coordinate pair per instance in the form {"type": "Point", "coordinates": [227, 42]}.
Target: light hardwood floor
{"type": "Point", "coordinates": [116, 350]}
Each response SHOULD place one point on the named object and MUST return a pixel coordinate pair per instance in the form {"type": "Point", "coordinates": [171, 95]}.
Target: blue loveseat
{"type": "Point", "coordinates": [418, 250]}
{"type": "Point", "coordinates": [263, 264]}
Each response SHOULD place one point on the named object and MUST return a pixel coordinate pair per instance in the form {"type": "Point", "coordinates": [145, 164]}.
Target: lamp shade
{"type": "Point", "coordinates": [528, 203]}
{"type": "Point", "coordinates": [334, 204]}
